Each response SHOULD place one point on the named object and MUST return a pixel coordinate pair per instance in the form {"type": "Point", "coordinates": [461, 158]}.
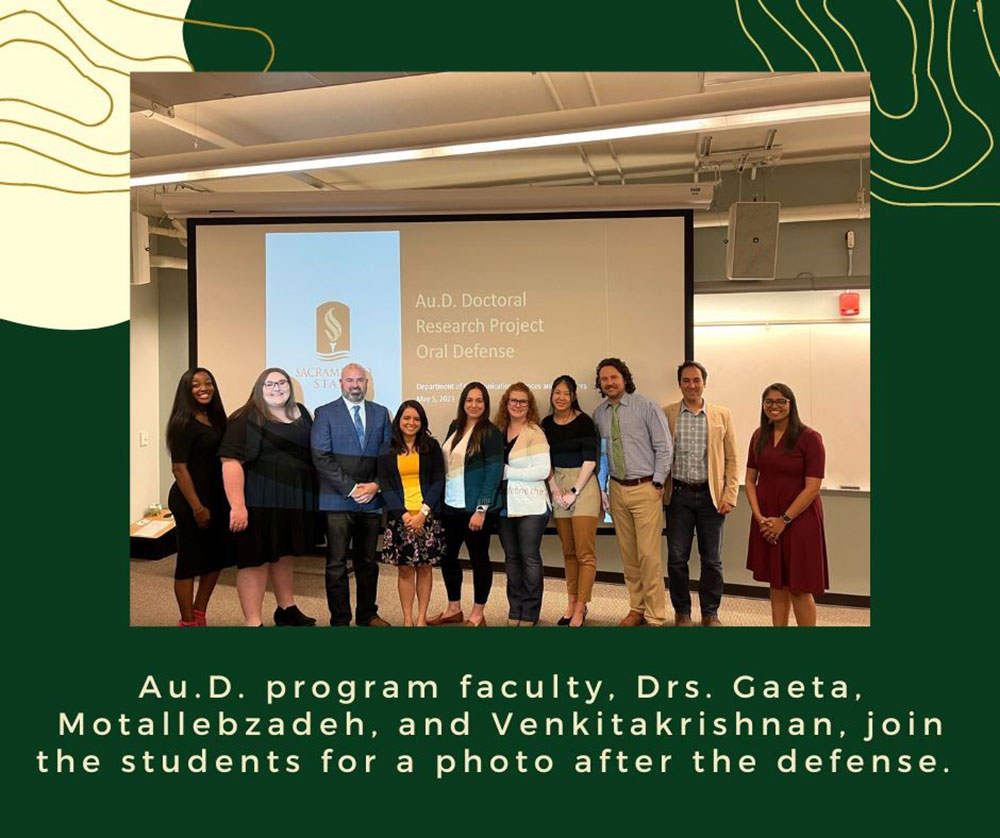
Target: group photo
{"type": "Point", "coordinates": [373, 475]}
{"type": "Point", "coordinates": [621, 381]}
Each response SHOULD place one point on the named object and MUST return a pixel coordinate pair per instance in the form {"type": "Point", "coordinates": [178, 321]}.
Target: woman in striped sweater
{"type": "Point", "coordinates": [524, 502]}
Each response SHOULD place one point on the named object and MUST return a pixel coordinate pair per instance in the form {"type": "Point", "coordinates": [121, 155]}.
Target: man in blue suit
{"type": "Point", "coordinates": [347, 436]}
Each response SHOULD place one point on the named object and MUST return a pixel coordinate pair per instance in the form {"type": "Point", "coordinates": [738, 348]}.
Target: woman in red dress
{"type": "Point", "coordinates": [784, 474]}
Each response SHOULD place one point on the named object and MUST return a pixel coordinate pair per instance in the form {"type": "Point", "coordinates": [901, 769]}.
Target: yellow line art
{"type": "Point", "coordinates": [62, 162]}
{"type": "Point", "coordinates": [820, 33]}
{"type": "Point", "coordinates": [936, 203]}
{"type": "Point", "coordinates": [68, 38]}
{"type": "Point", "coordinates": [913, 65]}
{"type": "Point", "coordinates": [117, 52]}
{"type": "Point", "coordinates": [260, 32]}
{"type": "Point", "coordinates": [743, 26]}
{"type": "Point", "coordinates": [982, 25]}
{"type": "Point", "coordinates": [101, 87]}
{"type": "Point", "coordinates": [62, 189]}
{"type": "Point", "coordinates": [795, 40]}
{"type": "Point", "coordinates": [977, 117]}
{"type": "Point", "coordinates": [944, 108]}
{"type": "Point", "coordinates": [63, 136]}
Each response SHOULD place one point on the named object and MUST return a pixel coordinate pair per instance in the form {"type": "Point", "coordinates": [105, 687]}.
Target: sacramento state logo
{"type": "Point", "coordinates": [333, 331]}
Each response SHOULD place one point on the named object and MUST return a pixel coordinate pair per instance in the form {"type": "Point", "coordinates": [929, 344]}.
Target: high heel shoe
{"type": "Point", "coordinates": [582, 621]}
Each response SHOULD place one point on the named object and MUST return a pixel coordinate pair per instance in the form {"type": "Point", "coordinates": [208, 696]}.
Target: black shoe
{"type": "Point", "coordinates": [563, 621]}
{"type": "Point", "coordinates": [291, 616]}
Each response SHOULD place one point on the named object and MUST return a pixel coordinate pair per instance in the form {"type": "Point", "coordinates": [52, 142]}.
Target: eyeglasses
{"type": "Point", "coordinates": [775, 402]}
{"type": "Point", "coordinates": [280, 383]}
{"type": "Point", "coordinates": [518, 402]}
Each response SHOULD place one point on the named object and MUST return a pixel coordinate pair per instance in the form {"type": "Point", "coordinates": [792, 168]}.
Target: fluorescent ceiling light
{"type": "Point", "coordinates": [716, 122]}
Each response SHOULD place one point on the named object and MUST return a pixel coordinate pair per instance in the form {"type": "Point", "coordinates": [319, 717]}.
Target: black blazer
{"type": "Point", "coordinates": [431, 479]}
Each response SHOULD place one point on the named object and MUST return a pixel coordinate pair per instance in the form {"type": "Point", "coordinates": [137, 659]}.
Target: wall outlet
{"type": "Point", "coordinates": [143, 439]}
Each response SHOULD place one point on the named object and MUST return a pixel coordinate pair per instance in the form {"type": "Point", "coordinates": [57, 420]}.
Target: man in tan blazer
{"type": "Point", "coordinates": [701, 493]}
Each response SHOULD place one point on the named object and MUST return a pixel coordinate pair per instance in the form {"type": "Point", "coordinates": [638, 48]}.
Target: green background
{"type": "Point", "coordinates": [933, 559]}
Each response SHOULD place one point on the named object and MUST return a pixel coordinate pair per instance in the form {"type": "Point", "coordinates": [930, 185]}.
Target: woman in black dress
{"type": "Point", "coordinates": [271, 486]}
{"type": "Point", "coordinates": [197, 500]}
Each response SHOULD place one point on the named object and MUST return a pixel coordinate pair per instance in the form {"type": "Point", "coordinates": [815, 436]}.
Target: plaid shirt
{"type": "Point", "coordinates": [691, 446]}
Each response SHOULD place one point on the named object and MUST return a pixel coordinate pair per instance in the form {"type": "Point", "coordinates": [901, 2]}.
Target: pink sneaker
{"type": "Point", "coordinates": [200, 618]}
{"type": "Point", "coordinates": [186, 624]}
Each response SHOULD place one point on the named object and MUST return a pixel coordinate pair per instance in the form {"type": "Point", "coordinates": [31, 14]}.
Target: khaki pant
{"type": "Point", "coordinates": [578, 536]}
{"type": "Point", "coordinates": [637, 512]}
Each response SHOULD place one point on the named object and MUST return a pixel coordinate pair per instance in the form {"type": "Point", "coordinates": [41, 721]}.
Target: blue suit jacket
{"type": "Point", "coordinates": [341, 461]}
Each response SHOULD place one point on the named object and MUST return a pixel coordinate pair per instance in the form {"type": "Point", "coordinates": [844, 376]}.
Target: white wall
{"type": "Point", "coordinates": [746, 343]}
{"type": "Point", "coordinates": [144, 400]}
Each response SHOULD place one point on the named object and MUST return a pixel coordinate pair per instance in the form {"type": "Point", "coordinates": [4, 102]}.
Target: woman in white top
{"type": "Point", "coordinates": [524, 502]}
{"type": "Point", "coordinates": [473, 457]}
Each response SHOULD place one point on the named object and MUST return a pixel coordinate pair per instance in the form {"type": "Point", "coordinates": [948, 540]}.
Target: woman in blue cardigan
{"type": "Point", "coordinates": [473, 455]}
{"type": "Point", "coordinates": [411, 476]}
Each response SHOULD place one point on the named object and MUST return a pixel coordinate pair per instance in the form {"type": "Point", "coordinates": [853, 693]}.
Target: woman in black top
{"type": "Point", "coordinates": [576, 498]}
{"type": "Point", "coordinates": [271, 485]}
{"type": "Point", "coordinates": [197, 500]}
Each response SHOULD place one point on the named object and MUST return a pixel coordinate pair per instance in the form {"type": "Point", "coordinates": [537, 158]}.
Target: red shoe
{"type": "Point", "coordinates": [200, 618]}
{"type": "Point", "coordinates": [186, 624]}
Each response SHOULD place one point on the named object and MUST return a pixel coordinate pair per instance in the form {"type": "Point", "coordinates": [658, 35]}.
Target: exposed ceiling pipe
{"type": "Point", "coordinates": [169, 232]}
{"type": "Point", "coordinates": [175, 263]}
{"type": "Point", "coordinates": [611, 146]}
{"type": "Point", "coordinates": [815, 283]}
{"type": "Point", "coordinates": [817, 212]}
{"type": "Point", "coordinates": [554, 94]}
{"type": "Point", "coordinates": [200, 132]}
{"type": "Point", "coordinates": [430, 201]}
{"type": "Point", "coordinates": [781, 92]}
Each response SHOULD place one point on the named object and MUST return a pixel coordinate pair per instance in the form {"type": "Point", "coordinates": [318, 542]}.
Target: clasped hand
{"type": "Point", "coordinates": [364, 492]}
{"type": "Point", "coordinates": [563, 499]}
{"type": "Point", "coordinates": [414, 522]}
{"type": "Point", "coordinates": [771, 529]}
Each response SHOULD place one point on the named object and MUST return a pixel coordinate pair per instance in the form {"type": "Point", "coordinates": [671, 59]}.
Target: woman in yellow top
{"type": "Point", "coordinates": [411, 476]}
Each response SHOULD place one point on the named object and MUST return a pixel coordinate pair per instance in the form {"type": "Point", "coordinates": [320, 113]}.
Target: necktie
{"type": "Point", "coordinates": [358, 427]}
{"type": "Point", "coordinates": [617, 452]}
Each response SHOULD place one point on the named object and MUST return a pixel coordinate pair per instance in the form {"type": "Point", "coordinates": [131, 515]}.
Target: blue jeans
{"type": "Point", "coordinates": [522, 546]}
{"type": "Point", "coordinates": [689, 512]}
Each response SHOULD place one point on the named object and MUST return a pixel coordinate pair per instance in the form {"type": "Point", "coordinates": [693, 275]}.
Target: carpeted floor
{"type": "Point", "coordinates": [152, 600]}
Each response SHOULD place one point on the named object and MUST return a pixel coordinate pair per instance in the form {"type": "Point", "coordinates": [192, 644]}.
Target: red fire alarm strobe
{"type": "Point", "coordinates": [850, 304]}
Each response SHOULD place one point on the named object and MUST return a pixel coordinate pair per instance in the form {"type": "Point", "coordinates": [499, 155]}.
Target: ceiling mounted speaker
{"type": "Point", "coordinates": [752, 248]}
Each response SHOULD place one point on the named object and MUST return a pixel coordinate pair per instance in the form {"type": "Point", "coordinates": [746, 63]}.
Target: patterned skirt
{"type": "Point", "coordinates": [402, 546]}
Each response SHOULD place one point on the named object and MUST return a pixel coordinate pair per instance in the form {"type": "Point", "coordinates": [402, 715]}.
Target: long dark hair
{"type": "Point", "coordinates": [795, 427]}
{"type": "Point", "coordinates": [258, 408]}
{"type": "Point", "coordinates": [619, 365]}
{"type": "Point", "coordinates": [185, 407]}
{"type": "Point", "coordinates": [570, 383]}
{"type": "Point", "coordinates": [424, 443]}
{"type": "Point", "coordinates": [461, 420]}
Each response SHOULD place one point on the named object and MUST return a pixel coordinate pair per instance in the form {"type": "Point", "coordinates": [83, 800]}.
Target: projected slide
{"type": "Point", "coordinates": [428, 306]}
{"type": "Point", "coordinates": [333, 299]}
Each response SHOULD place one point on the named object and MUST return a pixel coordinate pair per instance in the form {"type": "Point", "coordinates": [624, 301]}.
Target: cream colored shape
{"type": "Point", "coordinates": [65, 257]}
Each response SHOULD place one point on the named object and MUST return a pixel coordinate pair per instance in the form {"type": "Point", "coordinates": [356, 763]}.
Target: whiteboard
{"type": "Point", "coordinates": [827, 366]}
